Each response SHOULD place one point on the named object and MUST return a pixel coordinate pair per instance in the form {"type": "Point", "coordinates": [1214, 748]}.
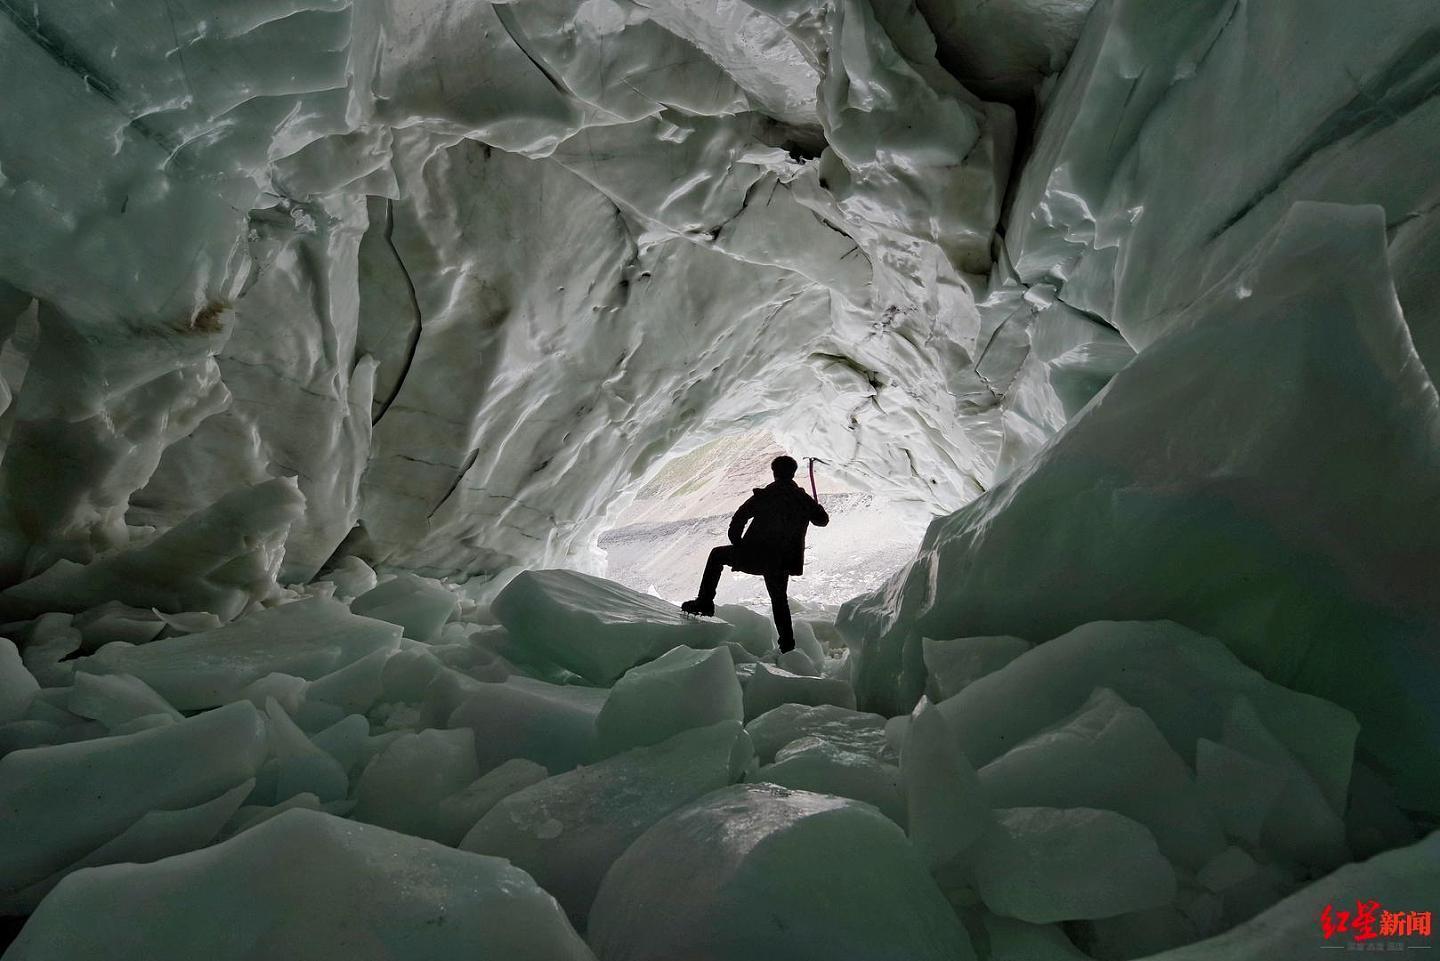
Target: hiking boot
{"type": "Point", "coordinates": [699, 608]}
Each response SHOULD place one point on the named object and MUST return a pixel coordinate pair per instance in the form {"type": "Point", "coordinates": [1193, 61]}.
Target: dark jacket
{"type": "Point", "coordinates": [775, 539]}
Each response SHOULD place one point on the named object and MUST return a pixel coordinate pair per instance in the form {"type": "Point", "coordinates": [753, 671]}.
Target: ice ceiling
{"type": "Point", "coordinates": [435, 285]}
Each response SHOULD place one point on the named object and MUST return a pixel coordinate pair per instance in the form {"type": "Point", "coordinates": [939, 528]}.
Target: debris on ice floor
{"type": "Point", "coordinates": [1122, 789]}
{"type": "Point", "coordinates": [769, 687]}
{"type": "Point", "coordinates": [420, 605]}
{"type": "Point", "coordinates": [307, 639]}
{"type": "Point", "coordinates": [567, 830]}
{"type": "Point", "coordinates": [789, 722]}
{"type": "Point", "coordinates": [955, 663]}
{"type": "Point", "coordinates": [1398, 882]}
{"type": "Point", "coordinates": [1065, 864]}
{"type": "Point", "coordinates": [813, 764]}
{"type": "Point", "coordinates": [303, 884]}
{"type": "Point", "coordinates": [61, 803]}
{"type": "Point", "coordinates": [680, 689]}
{"type": "Point", "coordinates": [595, 627]}
{"type": "Point", "coordinates": [767, 872]}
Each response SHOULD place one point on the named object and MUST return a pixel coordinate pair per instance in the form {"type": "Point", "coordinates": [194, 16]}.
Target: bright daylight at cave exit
{"type": "Point", "coordinates": [719, 480]}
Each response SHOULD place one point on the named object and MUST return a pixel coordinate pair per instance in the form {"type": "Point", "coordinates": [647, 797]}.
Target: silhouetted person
{"type": "Point", "coordinates": [773, 546]}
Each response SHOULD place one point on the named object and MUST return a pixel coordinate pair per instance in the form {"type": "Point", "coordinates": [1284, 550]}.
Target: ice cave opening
{"type": "Point", "coordinates": [657, 543]}
{"type": "Point", "coordinates": [374, 375]}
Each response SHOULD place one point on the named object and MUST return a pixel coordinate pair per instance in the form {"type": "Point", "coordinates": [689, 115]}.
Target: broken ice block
{"type": "Point", "coordinates": [1182, 680]}
{"type": "Point", "coordinates": [402, 787]}
{"type": "Point", "coordinates": [946, 809]}
{"type": "Point", "coordinates": [420, 605]}
{"type": "Point", "coordinates": [796, 662]}
{"type": "Point", "coordinates": [852, 730]}
{"type": "Point", "coordinates": [217, 560]}
{"type": "Point", "coordinates": [1302, 826]}
{"type": "Point", "coordinates": [355, 687]}
{"type": "Point", "coordinates": [466, 807]}
{"type": "Point", "coordinates": [296, 765]}
{"type": "Point", "coordinates": [114, 621]}
{"type": "Point", "coordinates": [1063, 864]}
{"type": "Point", "coordinates": [1241, 790]}
{"type": "Point", "coordinates": [345, 741]}
{"type": "Point", "coordinates": [955, 663]}
{"type": "Point", "coordinates": [308, 639]}
{"type": "Point", "coordinates": [351, 577]}
{"type": "Point", "coordinates": [17, 685]}
{"type": "Point", "coordinates": [549, 724]}
{"type": "Point", "coordinates": [1012, 940]}
{"type": "Point", "coordinates": [302, 884]}
{"type": "Point", "coordinates": [157, 834]}
{"type": "Point", "coordinates": [567, 830]}
{"type": "Point", "coordinates": [1294, 928]}
{"type": "Point", "coordinates": [1110, 755]}
{"type": "Point", "coordinates": [769, 687]}
{"type": "Point", "coordinates": [47, 647]}
{"type": "Point", "coordinates": [60, 803]}
{"type": "Point", "coordinates": [753, 631]}
{"type": "Point", "coordinates": [811, 764]}
{"type": "Point", "coordinates": [760, 871]}
{"type": "Point", "coordinates": [595, 627]}
{"type": "Point", "coordinates": [681, 689]}
{"type": "Point", "coordinates": [115, 699]}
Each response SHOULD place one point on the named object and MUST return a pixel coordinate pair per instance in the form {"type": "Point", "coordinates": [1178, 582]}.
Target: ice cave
{"type": "Point", "coordinates": [375, 374]}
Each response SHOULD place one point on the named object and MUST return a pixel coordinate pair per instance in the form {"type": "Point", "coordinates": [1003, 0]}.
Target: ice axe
{"type": "Point", "coordinates": [812, 461]}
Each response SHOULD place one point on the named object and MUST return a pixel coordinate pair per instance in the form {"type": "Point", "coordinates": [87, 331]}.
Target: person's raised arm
{"type": "Point", "coordinates": [818, 517]}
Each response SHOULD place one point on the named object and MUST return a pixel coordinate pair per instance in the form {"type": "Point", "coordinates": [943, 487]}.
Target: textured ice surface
{"type": "Point", "coordinates": [284, 238]}
{"type": "Point", "coordinates": [307, 639]}
{"type": "Point", "coordinates": [419, 605]}
{"type": "Point", "coordinates": [955, 663]}
{"type": "Point", "coordinates": [17, 686]}
{"type": "Point", "coordinates": [1047, 864]}
{"type": "Point", "coordinates": [237, 902]}
{"type": "Point", "coordinates": [217, 560]}
{"type": "Point", "coordinates": [769, 687]}
{"type": "Point", "coordinates": [595, 627]}
{"type": "Point", "coordinates": [1004, 49]}
{"type": "Point", "coordinates": [297, 294]}
{"type": "Point", "coordinates": [946, 809]}
{"type": "Point", "coordinates": [681, 689]}
{"type": "Point", "coordinates": [550, 724]}
{"type": "Point", "coordinates": [1110, 755]}
{"type": "Point", "coordinates": [812, 764]}
{"type": "Point", "coordinates": [567, 830]}
{"type": "Point", "coordinates": [1253, 533]}
{"type": "Point", "coordinates": [60, 803]}
{"type": "Point", "coordinates": [760, 865]}
{"type": "Point", "coordinates": [852, 730]}
{"type": "Point", "coordinates": [1408, 875]}
{"type": "Point", "coordinates": [404, 787]}
{"type": "Point", "coordinates": [1195, 170]}
{"type": "Point", "coordinates": [115, 699]}
{"type": "Point", "coordinates": [157, 834]}
{"type": "Point", "coordinates": [753, 631]}
{"type": "Point", "coordinates": [1183, 681]}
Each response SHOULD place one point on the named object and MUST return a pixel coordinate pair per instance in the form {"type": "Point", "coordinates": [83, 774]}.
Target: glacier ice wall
{"type": "Point", "coordinates": [1264, 470]}
{"type": "Point", "coordinates": [469, 271]}
{"type": "Point", "coordinates": [294, 285]}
